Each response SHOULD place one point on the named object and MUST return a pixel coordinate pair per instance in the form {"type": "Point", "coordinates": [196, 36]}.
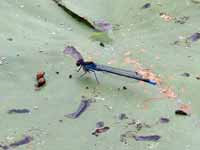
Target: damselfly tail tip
{"type": "Point", "coordinates": [152, 82]}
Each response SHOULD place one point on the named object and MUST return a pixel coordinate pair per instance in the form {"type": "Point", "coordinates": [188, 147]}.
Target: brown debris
{"type": "Point", "coordinates": [198, 78]}
{"type": "Point", "coordinates": [40, 74]}
{"type": "Point", "coordinates": [168, 92]}
{"type": "Point", "coordinates": [186, 109]}
{"type": "Point", "coordinates": [166, 17]}
{"type": "Point", "coordinates": [98, 131]}
{"type": "Point", "coordinates": [41, 81]}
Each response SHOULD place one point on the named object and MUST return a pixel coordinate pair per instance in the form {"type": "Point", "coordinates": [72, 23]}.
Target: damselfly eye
{"type": "Point", "coordinates": [78, 64]}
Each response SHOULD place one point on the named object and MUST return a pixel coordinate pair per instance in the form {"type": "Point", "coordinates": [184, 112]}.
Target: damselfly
{"type": "Point", "coordinates": [90, 66]}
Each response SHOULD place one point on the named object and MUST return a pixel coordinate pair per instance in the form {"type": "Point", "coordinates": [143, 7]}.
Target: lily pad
{"type": "Point", "coordinates": [33, 35]}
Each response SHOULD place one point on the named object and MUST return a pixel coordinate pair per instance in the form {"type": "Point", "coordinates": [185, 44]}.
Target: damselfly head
{"type": "Point", "coordinates": [79, 62]}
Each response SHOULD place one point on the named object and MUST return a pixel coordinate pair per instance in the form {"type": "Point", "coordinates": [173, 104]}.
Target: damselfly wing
{"type": "Point", "coordinates": [118, 71]}
{"type": "Point", "coordinates": [70, 50]}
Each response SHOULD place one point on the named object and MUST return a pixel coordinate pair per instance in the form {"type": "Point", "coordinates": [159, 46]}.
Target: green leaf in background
{"type": "Point", "coordinates": [33, 35]}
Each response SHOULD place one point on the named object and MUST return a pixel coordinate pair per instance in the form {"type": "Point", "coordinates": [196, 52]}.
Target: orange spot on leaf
{"type": "Point", "coordinates": [168, 92]}
{"type": "Point", "coordinates": [166, 17]}
{"type": "Point", "coordinates": [128, 60]}
{"type": "Point", "coordinates": [111, 62]}
{"type": "Point", "coordinates": [127, 53]}
{"type": "Point", "coordinates": [186, 108]}
{"type": "Point", "coordinates": [142, 50]}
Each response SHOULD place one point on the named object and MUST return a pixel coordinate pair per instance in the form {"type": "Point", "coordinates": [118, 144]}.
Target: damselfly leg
{"type": "Point", "coordinates": [96, 77]}
{"type": "Point", "coordinates": [79, 68]}
{"type": "Point", "coordinates": [83, 74]}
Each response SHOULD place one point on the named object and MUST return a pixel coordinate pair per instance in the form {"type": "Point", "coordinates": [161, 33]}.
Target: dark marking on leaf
{"type": "Point", "coordinates": [181, 112]}
{"type": "Point", "coordinates": [139, 126]}
{"type": "Point", "coordinates": [100, 124]}
{"type": "Point", "coordinates": [100, 130]}
{"type": "Point", "coordinates": [102, 25]}
{"type": "Point", "coordinates": [182, 20]}
{"type": "Point", "coordinates": [61, 121]}
{"type": "Point", "coordinates": [147, 138]}
{"type": "Point", "coordinates": [101, 44]}
{"type": "Point", "coordinates": [198, 78]}
{"type": "Point", "coordinates": [70, 76]}
{"type": "Point", "coordinates": [147, 5]}
{"type": "Point", "coordinates": [196, 1]}
{"type": "Point", "coordinates": [124, 88]}
{"type": "Point", "coordinates": [5, 147]}
{"type": "Point", "coordinates": [82, 107]}
{"type": "Point", "coordinates": [122, 116]}
{"type": "Point", "coordinates": [10, 39]}
{"type": "Point", "coordinates": [18, 111]}
{"type": "Point", "coordinates": [194, 37]}
{"type": "Point", "coordinates": [25, 140]}
{"type": "Point", "coordinates": [164, 120]}
{"type": "Point", "coordinates": [185, 74]}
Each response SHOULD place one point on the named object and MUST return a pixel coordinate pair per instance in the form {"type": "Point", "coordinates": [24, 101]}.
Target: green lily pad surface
{"type": "Point", "coordinates": [122, 33]}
